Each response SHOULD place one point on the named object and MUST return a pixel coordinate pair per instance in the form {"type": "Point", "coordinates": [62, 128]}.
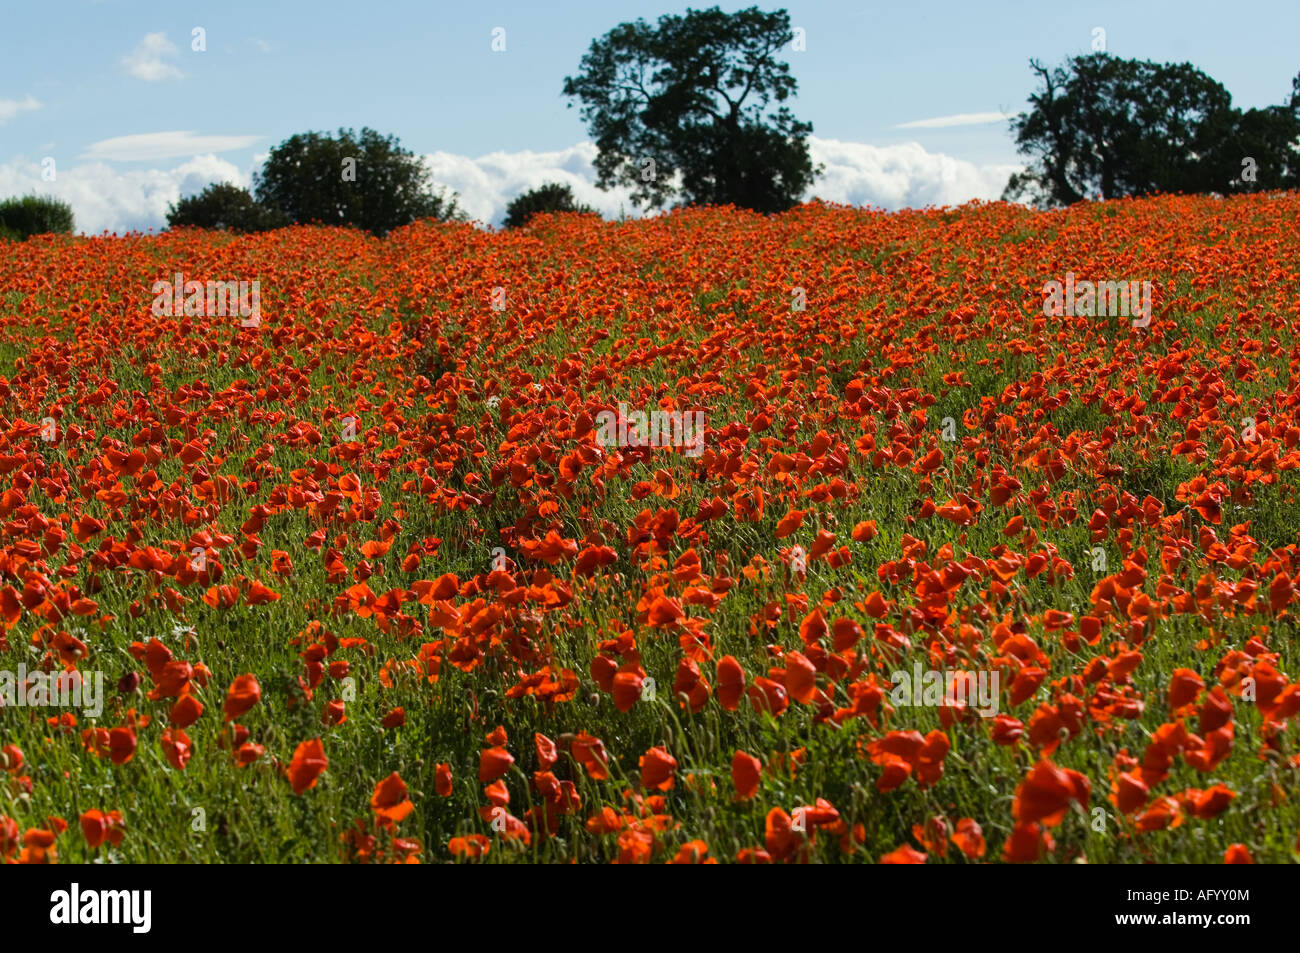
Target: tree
{"type": "Point", "coordinates": [20, 218]}
{"type": "Point", "coordinates": [226, 207]}
{"type": "Point", "coordinates": [686, 110]}
{"type": "Point", "coordinates": [1262, 151]}
{"type": "Point", "coordinates": [368, 181]}
{"type": "Point", "coordinates": [551, 197]}
{"type": "Point", "coordinates": [1106, 127]}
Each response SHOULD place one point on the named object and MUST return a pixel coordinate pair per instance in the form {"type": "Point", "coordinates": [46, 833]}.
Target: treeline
{"type": "Point", "coordinates": [367, 181]}
{"type": "Point", "coordinates": [1103, 127]}
{"type": "Point", "coordinates": [694, 110]}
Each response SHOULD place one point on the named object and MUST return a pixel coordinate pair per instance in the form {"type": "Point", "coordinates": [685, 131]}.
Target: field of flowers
{"type": "Point", "coordinates": [367, 580]}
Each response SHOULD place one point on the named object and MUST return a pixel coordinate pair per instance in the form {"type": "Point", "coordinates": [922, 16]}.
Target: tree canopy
{"type": "Point", "coordinates": [1100, 126]}
{"type": "Point", "coordinates": [694, 110]}
{"type": "Point", "coordinates": [24, 216]}
{"type": "Point", "coordinates": [225, 207]}
{"type": "Point", "coordinates": [368, 181]}
{"type": "Point", "coordinates": [549, 197]}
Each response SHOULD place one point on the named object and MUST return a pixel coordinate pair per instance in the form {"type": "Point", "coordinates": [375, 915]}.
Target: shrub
{"type": "Point", "coordinates": [225, 207]}
{"type": "Point", "coordinates": [20, 218]}
{"type": "Point", "coordinates": [551, 197]}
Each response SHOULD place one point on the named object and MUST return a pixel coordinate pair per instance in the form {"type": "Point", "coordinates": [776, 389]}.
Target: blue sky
{"type": "Point", "coordinates": [133, 117]}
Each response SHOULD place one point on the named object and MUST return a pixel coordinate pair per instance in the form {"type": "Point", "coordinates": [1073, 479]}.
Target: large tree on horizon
{"type": "Point", "coordinates": [1100, 126]}
{"type": "Point", "coordinates": [367, 181]}
{"type": "Point", "coordinates": [694, 110]}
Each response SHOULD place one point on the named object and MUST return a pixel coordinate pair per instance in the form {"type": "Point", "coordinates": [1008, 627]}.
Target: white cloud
{"type": "Point", "coordinates": [888, 177]}
{"type": "Point", "coordinates": [103, 198]}
{"type": "Point", "coordinates": [486, 184]}
{"type": "Point", "coordinates": [901, 176]}
{"type": "Point", "coordinates": [261, 44]}
{"type": "Point", "coordinates": [163, 145]}
{"type": "Point", "coordinates": [12, 107]}
{"type": "Point", "coordinates": [892, 177]}
{"type": "Point", "coordinates": [960, 119]}
{"type": "Point", "coordinates": [148, 61]}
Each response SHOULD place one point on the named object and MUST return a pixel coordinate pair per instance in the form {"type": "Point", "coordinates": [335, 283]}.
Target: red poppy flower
{"type": "Point", "coordinates": [746, 772]}
{"type": "Point", "coordinates": [657, 768]}
{"type": "Point", "coordinates": [243, 694]}
{"type": "Point", "coordinates": [390, 801]}
{"type": "Point", "coordinates": [308, 763]}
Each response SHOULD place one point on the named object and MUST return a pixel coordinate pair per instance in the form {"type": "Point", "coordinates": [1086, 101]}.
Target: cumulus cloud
{"type": "Point", "coordinates": [486, 184]}
{"type": "Point", "coordinates": [12, 107]}
{"type": "Point", "coordinates": [888, 177]}
{"type": "Point", "coordinates": [891, 177]}
{"type": "Point", "coordinates": [148, 61]}
{"type": "Point", "coordinates": [163, 145]}
{"type": "Point", "coordinates": [959, 119]}
{"type": "Point", "coordinates": [901, 176]}
{"type": "Point", "coordinates": [105, 199]}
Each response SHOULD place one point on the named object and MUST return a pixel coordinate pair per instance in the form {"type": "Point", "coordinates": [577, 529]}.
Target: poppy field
{"type": "Point", "coordinates": [390, 571]}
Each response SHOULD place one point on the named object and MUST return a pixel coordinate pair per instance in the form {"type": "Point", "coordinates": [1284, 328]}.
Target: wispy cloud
{"type": "Point", "coordinates": [148, 61]}
{"type": "Point", "coordinates": [12, 107]}
{"type": "Point", "coordinates": [960, 119]}
{"type": "Point", "coordinates": [261, 44]}
{"type": "Point", "coordinates": [163, 145]}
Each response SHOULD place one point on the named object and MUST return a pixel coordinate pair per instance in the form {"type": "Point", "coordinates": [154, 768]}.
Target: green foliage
{"type": "Point", "coordinates": [551, 197]}
{"type": "Point", "coordinates": [1269, 137]}
{"type": "Point", "coordinates": [29, 215]}
{"type": "Point", "coordinates": [685, 111]}
{"type": "Point", "coordinates": [225, 207]}
{"type": "Point", "coordinates": [1106, 127]}
{"type": "Point", "coordinates": [366, 181]}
